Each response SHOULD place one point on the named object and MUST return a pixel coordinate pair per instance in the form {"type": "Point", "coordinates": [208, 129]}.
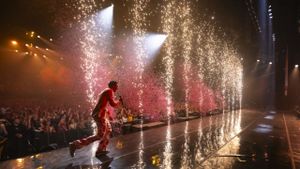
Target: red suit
{"type": "Point", "coordinates": [102, 116]}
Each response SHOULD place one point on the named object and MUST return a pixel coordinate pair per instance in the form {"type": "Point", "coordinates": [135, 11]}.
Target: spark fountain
{"type": "Point", "coordinates": [138, 16]}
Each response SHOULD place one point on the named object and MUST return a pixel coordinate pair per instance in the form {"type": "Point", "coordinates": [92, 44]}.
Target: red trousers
{"type": "Point", "coordinates": [103, 134]}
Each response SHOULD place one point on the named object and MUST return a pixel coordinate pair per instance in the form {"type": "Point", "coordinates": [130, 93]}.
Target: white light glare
{"type": "Point", "coordinates": [105, 18]}
{"type": "Point", "coordinates": [296, 66]}
{"type": "Point", "coordinates": [270, 63]}
{"type": "Point", "coordinates": [153, 42]}
{"type": "Point", "coordinates": [258, 60]}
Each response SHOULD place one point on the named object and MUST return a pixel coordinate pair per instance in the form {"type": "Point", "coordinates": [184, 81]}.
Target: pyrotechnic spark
{"type": "Point", "coordinates": [95, 42]}
{"type": "Point", "coordinates": [187, 34]}
{"type": "Point", "coordinates": [138, 19]}
{"type": "Point", "coordinates": [168, 25]}
{"type": "Point", "coordinates": [138, 22]}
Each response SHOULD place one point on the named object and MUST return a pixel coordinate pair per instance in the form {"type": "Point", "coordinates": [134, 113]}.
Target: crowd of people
{"type": "Point", "coordinates": [25, 130]}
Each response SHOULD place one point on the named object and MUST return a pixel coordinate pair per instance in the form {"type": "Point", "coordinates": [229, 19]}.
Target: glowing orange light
{"type": "Point", "coordinates": [155, 160]}
{"type": "Point", "coordinates": [14, 42]}
{"type": "Point", "coordinates": [32, 34]}
{"type": "Point", "coordinates": [119, 145]}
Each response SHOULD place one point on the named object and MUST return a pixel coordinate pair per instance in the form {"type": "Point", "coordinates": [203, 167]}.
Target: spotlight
{"type": "Point", "coordinates": [152, 43]}
{"type": "Point", "coordinates": [105, 17]}
{"type": "Point", "coordinates": [32, 34]}
{"type": "Point", "coordinates": [270, 63]}
{"type": "Point", "coordinates": [296, 66]}
{"type": "Point", "coordinates": [14, 42]}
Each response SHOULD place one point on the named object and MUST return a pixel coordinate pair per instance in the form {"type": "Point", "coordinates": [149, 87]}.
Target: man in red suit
{"type": "Point", "coordinates": [102, 117]}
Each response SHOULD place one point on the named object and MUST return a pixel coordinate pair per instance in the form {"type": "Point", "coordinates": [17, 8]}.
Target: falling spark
{"type": "Point", "coordinates": [187, 33]}
{"type": "Point", "coordinates": [168, 24]}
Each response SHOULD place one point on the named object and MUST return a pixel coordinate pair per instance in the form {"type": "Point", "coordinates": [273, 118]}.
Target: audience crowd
{"type": "Point", "coordinates": [26, 130]}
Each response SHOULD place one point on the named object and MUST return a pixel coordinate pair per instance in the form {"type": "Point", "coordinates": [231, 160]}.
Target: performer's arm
{"type": "Point", "coordinates": [111, 100]}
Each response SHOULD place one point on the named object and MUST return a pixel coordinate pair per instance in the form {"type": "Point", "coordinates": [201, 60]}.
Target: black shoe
{"type": "Point", "coordinates": [105, 163]}
{"type": "Point", "coordinates": [101, 153]}
{"type": "Point", "coordinates": [72, 149]}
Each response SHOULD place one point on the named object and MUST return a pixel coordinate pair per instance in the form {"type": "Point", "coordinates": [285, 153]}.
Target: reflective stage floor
{"type": "Point", "coordinates": [242, 139]}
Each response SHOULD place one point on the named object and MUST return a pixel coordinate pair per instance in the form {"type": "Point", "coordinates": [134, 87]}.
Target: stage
{"type": "Point", "coordinates": [238, 139]}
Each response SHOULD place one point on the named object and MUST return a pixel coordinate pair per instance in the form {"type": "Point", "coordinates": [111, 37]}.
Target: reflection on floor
{"type": "Point", "coordinates": [238, 139]}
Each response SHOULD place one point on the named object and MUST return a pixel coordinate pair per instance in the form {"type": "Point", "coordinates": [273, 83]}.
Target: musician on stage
{"type": "Point", "coordinates": [102, 118]}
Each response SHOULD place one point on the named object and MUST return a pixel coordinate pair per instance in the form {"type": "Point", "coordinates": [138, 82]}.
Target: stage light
{"type": "Point", "coordinates": [35, 54]}
{"type": "Point", "coordinates": [47, 49]}
{"type": "Point", "coordinates": [152, 43]}
{"type": "Point", "coordinates": [212, 17]}
{"type": "Point", "coordinates": [38, 36]}
{"type": "Point", "coordinates": [14, 42]}
{"type": "Point", "coordinates": [270, 63]}
{"type": "Point", "coordinates": [36, 47]}
{"type": "Point", "coordinates": [242, 58]}
{"type": "Point", "coordinates": [26, 53]}
{"type": "Point", "coordinates": [296, 66]}
{"type": "Point", "coordinates": [270, 10]}
{"type": "Point", "coordinates": [51, 39]}
{"type": "Point", "coordinates": [26, 45]}
{"type": "Point", "coordinates": [32, 34]}
{"type": "Point", "coordinates": [105, 18]}
{"type": "Point", "coordinates": [16, 51]}
{"type": "Point", "coordinates": [258, 60]}
{"type": "Point", "coordinates": [44, 56]}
